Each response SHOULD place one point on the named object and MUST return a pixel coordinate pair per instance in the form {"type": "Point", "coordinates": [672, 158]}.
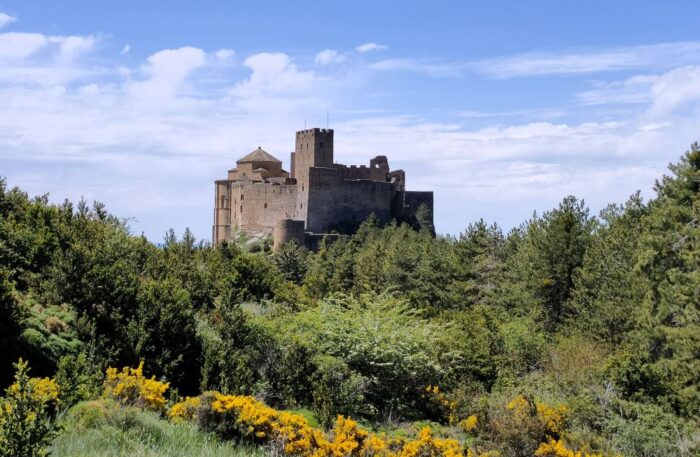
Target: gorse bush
{"type": "Point", "coordinates": [27, 414]}
{"type": "Point", "coordinates": [244, 418]}
{"type": "Point", "coordinates": [130, 387]}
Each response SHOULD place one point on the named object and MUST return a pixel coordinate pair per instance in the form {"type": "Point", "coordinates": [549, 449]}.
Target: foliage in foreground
{"type": "Point", "coordinates": [99, 428]}
{"type": "Point", "coordinates": [597, 315]}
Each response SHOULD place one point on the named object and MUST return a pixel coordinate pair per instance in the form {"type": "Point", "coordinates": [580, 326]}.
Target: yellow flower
{"type": "Point", "coordinates": [129, 386]}
{"type": "Point", "coordinates": [470, 423]}
{"type": "Point", "coordinates": [558, 448]}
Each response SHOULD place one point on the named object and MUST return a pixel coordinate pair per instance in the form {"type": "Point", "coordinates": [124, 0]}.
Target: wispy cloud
{"type": "Point", "coordinates": [368, 47]}
{"type": "Point", "coordinates": [664, 93]}
{"type": "Point", "coordinates": [659, 56]}
{"type": "Point", "coordinates": [424, 66]}
{"type": "Point", "coordinates": [6, 19]}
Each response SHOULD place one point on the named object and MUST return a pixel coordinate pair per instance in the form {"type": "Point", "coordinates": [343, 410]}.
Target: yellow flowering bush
{"type": "Point", "coordinates": [27, 414]}
{"type": "Point", "coordinates": [427, 445]}
{"type": "Point", "coordinates": [551, 418]}
{"type": "Point", "coordinates": [130, 387]}
{"type": "Point", "coordinates": [184, 410]}
{"type": "Point", "coordinates": [290, 433]}
{"type": "Point", "coordinates": [469, 424]}
{"type": "Point", "coordinates": [558, 448]}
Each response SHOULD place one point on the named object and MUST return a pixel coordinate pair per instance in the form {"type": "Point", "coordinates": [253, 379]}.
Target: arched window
{"type": "Point", "coordinates": [265, 205]}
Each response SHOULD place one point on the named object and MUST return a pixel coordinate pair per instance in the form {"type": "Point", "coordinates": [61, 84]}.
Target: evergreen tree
{"type": "Point", "coordinates": [552, 249]}
{"type": "Point", "coordinates": [609, 291]}
{"type": "Point", "coordinates": [670, 260]}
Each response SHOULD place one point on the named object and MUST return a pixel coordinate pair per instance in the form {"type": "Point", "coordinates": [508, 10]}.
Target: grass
{"type": "Point", "coordinates": [102, 429]}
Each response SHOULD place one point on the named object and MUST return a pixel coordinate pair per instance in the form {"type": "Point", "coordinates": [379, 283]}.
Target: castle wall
{"type": "Point", "coordinates": [338, 204]}
{"type": "Point", "coordinates": [405, 204]}
{"type": "Point", "coordinates": [258, 206]}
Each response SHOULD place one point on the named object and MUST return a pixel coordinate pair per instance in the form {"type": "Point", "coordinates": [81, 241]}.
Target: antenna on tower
{"type": "Point", "coordinates": [304, 124]}
{"type": "Point", "coordinates": [328, 122]}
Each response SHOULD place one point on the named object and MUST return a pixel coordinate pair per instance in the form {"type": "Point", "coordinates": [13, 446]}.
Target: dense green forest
{"type": "Point", "coordinates": [572, 327]}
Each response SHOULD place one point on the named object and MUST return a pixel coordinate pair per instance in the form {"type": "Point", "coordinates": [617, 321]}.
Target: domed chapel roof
{"type": "Point", "coordinates": [259, 155]}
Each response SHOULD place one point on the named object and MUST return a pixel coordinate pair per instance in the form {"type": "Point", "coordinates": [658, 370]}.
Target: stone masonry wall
{"type": "Point", "coordinates": [258, 206]}
{"type": "Point", "coordinates": [338, 204]}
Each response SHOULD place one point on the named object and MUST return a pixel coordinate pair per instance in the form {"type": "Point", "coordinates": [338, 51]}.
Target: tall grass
{"type": "Point", "coordinates": [105, 430]}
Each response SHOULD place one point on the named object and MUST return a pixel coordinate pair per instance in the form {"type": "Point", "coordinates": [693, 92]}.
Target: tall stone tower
{"type": "Point", "coordinates": [314, 148]}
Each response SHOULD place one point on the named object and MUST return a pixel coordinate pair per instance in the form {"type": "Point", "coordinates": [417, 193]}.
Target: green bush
{"type": "Point", "coordinates": [337, 390]}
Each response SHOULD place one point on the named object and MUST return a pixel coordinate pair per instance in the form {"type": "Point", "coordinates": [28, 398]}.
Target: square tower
{"type": "Point", "coordinates": [314, 148]}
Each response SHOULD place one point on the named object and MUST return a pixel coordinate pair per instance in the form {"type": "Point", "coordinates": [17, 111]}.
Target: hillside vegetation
{"type": "Point", "coordinates": [570, 335]}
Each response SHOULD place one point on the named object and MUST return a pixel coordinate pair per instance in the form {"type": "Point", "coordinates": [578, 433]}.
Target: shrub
{"type": "Point", "coordinates": [523, 424]}
{"type": "Point", "coordinates": [130, 387]}
{"type": "Point", "coordinates": [55, 325]}
{"type": "Point", "coordinates": [27, 414]}
{"type": "Point", "coordinates": [558, 448]}
{"type": "Point", "coordinates": [77, 380]}
{"type": "Point", "coordinates": [245, 418]}
{"type": "Point", "coordinates": [336, 390]}
{"type": "Point", "coordinates": [185, 409]}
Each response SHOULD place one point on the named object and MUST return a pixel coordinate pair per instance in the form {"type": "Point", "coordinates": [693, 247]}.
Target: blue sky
{"type": "Point", "coordinates": [501, 108]}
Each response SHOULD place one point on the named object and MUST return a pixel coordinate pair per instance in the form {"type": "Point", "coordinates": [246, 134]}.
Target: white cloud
{"type": "Point", "coordinates": [72, 46]}
{"type": "Point", "coordinates": [19, 46]}
{"type": "Point", "coordinates": [665, 93]}
{"type": "Point", "coordinates": [125, 50]}
{"type": "Point", "coordinates": [6, 19]}
{"type": "Point", "coordinates": [224, 54]}
{"type": "Point", "coordinates": [675, 89]}
{"type": "Point", "coordinates": [368, 47]}
{"type": "Point", "coordinates": [167, 71]}
{"type": "Point", "coordinates": [665, 55]}
{"type": "Point", "coordinates": [328, 57]}
{"type": "Point", "coordinates": [272, 73]}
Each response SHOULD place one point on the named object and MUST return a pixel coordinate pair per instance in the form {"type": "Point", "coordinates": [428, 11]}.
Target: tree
{"type": "Point", "coordinates": [164, 334]}
{"type": "Point", "coordinates": [479, 264]}
{"type": "Point", "coordinates": [551, 251]}
{"type": "Point", "coordinates": [670, 261]}
{"type": "Point", "coordinates": [609, 291]}
{"type": "Point", "coordinates": [291, 262]}
{"type": "Point", "coordinates": [230, 354]}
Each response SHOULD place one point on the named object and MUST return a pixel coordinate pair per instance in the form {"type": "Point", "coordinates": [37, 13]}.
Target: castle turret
{"type": "Point", "coordinates": [287, 230]}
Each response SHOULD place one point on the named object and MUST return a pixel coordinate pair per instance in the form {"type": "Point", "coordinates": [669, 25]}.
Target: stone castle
{"type": "Point", "coordinates": [316, 197]}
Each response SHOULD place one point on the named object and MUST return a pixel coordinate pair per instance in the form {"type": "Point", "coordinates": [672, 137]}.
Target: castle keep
{"type": "Point", "coordinates": [316, 196]}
